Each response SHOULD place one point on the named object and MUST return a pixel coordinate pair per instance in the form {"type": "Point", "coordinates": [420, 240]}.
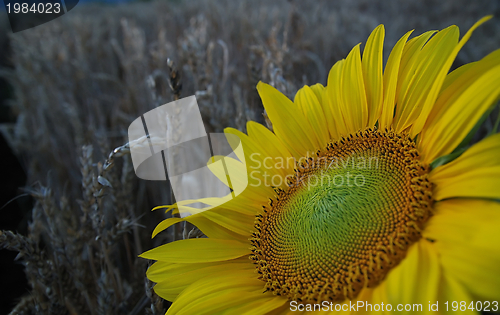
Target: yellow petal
{"type": "Point", "coordinates": [430, 63]}
{"type": "Point", "coordinates": [354, 106]}
{"type": "Point", "coordinates": [212, 291]}
{"type": "Point", "coordinates": [198, 251]}
{"type": "Point", "coordinates": [204, 222]}
{"type": "Point", "coordinates": [372, 73]}
{"type": "Point", "coordinates": [234, 221]}
{"type": "Point", "coordinates": [260, 305]}
{"type": "Point", "coordinates": [289, 125]}
{"type": "Point", "coordinates": [308, 102]}
{"type": "Point", "coordinates": [432, 94]}
{"type": "Point", "coordinates": [283, 310]}
{"type": "Point", "coordinates": [258, 157]}
{"type": "Point", "coordinates": [452, 290]}
{"type": "Point", "coordinates": [390, 82]}
{"type": "Point", "coordinates": [242, 204]}
{"type": "Point", "coordinates": [404, 282]}
{"type": "Point", "coordinates": [210, 224]}
{"type": "Point", "coordinates": [213, 303]}
{"type": "Point", "coordinates": [411, 53]}
{"type": "Point", "coordinates": [379, 296]}
{"type": "Point", "coordinates": [318, 90]}
{"type": "Point", "coordinates": [162, 271]}
{"type": "Point", "coordinates": [453, 76]}
{"type": "Point", "coordinates": [187, 205]}
{"type": "Point", "coordinates": [172, 279]}
{"type": "Point", "coordinates": [244, 177]}
{"type": "Point", "coordinates": [231, 172]}
{"type": "Point", "coordinates": [476, 173]}
{"type": "Point", "coordinates": [371, 296]}
{"type": "Point", "coordinates": [460, 106]}
{"type": "Point", "coordinates": [408, 64]}
{"type": "Point", "coordinates": [448, 90]}
{"type": "Point", "coordinates": [165, 224]}
{"type": "Point", "coordinates": [334, 102]}
{"type": "Point", "coordinates": [270, 145]}
{"type": "Point", "coordinates": [466, 233]}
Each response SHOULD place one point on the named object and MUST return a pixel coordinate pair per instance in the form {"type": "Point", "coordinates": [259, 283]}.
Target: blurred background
{"type": "Point", "coordinates": [73, 215]}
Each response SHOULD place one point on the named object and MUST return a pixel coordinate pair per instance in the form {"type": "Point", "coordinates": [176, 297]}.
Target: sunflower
{"type": "Point", "coordinates": [364, 196]}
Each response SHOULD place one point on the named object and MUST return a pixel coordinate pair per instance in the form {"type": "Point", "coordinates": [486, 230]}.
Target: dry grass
{"type": "Point", "coordinates": [80, 80]}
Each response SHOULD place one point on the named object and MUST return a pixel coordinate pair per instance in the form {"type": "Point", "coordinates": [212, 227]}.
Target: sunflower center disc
{"type": "Point", "coordinates": [348, 217]}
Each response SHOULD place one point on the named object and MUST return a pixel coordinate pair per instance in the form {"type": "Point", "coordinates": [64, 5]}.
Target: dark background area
{"type": "Point", "coordinates": [14, 210]}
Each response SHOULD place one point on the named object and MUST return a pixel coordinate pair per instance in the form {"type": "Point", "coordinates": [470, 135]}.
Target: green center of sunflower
{"type": "Point", "coordinates": [347, 218]}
